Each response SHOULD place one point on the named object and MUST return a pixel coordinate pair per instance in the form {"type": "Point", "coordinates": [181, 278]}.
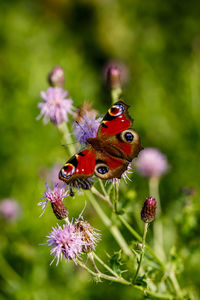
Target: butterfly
{"type": "Point", "coordinates": [108, 154]}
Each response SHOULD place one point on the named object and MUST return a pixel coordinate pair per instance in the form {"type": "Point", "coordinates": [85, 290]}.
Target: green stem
{"type": "Point", "coordinates": [121, 280]}
{"type": "Point", "coordinates": [115, 94]}
{"type": "Point", "coordinates": [98, 194]}
{"type": "Point", "coordinates": [139, 238]}
{"type": "Point", "coordinates": [113, 229]}
{"type": "Point", "coordinates": [105, 265]}
{"type": "Point", "coordinates": [157, 226]}
{"type": "Point", "coordinates": [175, 284]}
{"type": "Point", "coordinates": [116, 196]}
{"type": "Point", "coordinates": [102, 275]}
{"type": "Point", "coordinates": [142, 251]}
{"type": "Point", "coordinates": [67, 137]}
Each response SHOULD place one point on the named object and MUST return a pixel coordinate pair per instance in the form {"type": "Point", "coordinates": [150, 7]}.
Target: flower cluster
{"type": "Point", "coordinates": [71, 240]}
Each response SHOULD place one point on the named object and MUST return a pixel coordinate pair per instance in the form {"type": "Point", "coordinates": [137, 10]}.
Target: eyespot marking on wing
{"type": "Point", "coordinates": [67, 171]}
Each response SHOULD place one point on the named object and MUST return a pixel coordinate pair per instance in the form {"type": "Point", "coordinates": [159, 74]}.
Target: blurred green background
{"type": "Point", "coordinates": [158, 43]}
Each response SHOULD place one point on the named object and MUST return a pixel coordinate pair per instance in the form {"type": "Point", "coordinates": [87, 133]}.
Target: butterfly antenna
{"type": "Point", "coordinates": [80, 126]}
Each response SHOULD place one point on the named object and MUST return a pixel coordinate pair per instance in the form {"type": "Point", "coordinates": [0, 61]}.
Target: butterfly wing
{"type": "Point", "coordinates": [108, 166]}
{"type": "Point", "coordinates": [77, 171]}
{"type": "Point", "coordinates": [116, 120]}
{"type": "Point", "coordinates": [121, 140]}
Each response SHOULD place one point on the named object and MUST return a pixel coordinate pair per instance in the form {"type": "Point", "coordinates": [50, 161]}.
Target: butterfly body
{"type": "Point", "coordinates": [107, 155]}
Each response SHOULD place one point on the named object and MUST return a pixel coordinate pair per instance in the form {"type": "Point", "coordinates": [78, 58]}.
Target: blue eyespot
{"type": "Point", "coordinates": [102, 170]}
{"type": "Point", "coordinates": [129, 137]}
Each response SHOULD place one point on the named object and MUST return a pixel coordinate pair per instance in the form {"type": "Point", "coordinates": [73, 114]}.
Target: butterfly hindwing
{"type": "Point", "coordinates": [77, 171]}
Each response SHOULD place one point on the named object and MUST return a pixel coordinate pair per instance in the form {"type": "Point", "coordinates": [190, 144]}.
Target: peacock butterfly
{"type": "Point", "coordinates": [108, 154]}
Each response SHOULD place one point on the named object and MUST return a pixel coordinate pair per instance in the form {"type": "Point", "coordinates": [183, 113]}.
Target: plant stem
{"type": "Point", "coordinates": [157, 226]}
{"type": "Point", "coordinates": [105, 198]}
{"type": "Point", "coordinates": [105, 265]}
{"type": "Point", "coordinates": [121, 280]}
{"type": "Point", "coordinates": [142, 251]}
{"type": "Point", "coordinates": [113, 229]}
{"type": "Point", "coordinates": [102, 275]}
{"type": "Point", "coordinates": [115, 94]}
{"type": "Point", "coordinates": [67, 137]}
{"type": "Point", "coordinates": [116, 196]}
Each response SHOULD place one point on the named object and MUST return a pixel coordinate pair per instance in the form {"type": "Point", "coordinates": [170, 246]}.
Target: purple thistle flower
{"type": "Point", "coordinates": [65, 242]}
{"type": "Point", "coordinates": [9, 209]}
{"type": "Point", "coordinates": [87, 127]}
{"type": "Point", "coordinates": [56, 106]}
{"type": "Point", "coordinates": [151, 163]}
{"type": "Point", "coordinates": [55, 196]}
{"type": "Point", "coordinates": [148, 211]}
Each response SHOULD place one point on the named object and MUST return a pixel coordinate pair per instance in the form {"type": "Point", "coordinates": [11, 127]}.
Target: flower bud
{"type": "Point", "coordinates": [60, 211]}
{"type": "Point", "coordinates": [57, 78]}
{"type": "Point", "coordinates": [148, 211]}
{"type": "Point", "coordinates": [113, 77]}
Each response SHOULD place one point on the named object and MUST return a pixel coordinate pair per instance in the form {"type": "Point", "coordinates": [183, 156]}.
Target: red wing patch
{"type": "Point", "coordinates": [79, 168]}
{"type": "Point", "coordinates": [115, 121]}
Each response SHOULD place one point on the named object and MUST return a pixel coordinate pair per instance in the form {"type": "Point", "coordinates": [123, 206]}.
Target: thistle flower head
{"type": "Point", "coordinates": [65, 241]}
{"type": "Point", "coordinates": [56, 106]}
{"type": "Point", "coordinates": [57, 77]}
{"type": "Point", "coordinates": [86, 128]}
{"type": "Point", "coordinates": [85, 108]}
{"type": "Point", "coordinates": [151, 163]}
{"type": "Point", "coordinates": [72, 239]}
{"type": "Point", "coordinates": [89, 235]}
{"type": "Point", "coordinates": [55, 196]}
{"type": "Point", "coordinates": [9, 209]}
{"type": "Point", "coordinates": [148, 211]}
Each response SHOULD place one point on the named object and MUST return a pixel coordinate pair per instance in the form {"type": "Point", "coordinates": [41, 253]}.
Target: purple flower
{"type": "Point", "coordinates": [65, 242]}
{"type": "Point", "coordinates": [9, 209]}
{"type": "Point", "coordinates": [87, 127]}
{"type": "Point", "coordinates": [151, 163]}
{"type": "Point", "coordinates": [55, 196]}
{"type": "Point", "coordinates": [148, 211]}
{"type": "Point", "coordinates": [56, 106]}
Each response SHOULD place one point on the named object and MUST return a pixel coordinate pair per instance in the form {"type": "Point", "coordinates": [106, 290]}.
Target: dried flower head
{"type": "Point", "coordinates": [55, 196]}
{"type": "Point", "coordinates": [57, 77]}
{"type": "Point", "coordinates": [65, 242]}
{"type": "Point", "coordinates": [9, 209]}
{"type": "Point", "coordinates": [56, 106]}
{"type": "Point", "coordinates": [151, 163]}
{"type": "Point", "coordinates": [89, 235]}
{"type": "Point", "coordinates": [148, 211]}
{"type": "Point", "coordinates": [85, 108]}
{"type": "Point", "coordinates": [86, 128]}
